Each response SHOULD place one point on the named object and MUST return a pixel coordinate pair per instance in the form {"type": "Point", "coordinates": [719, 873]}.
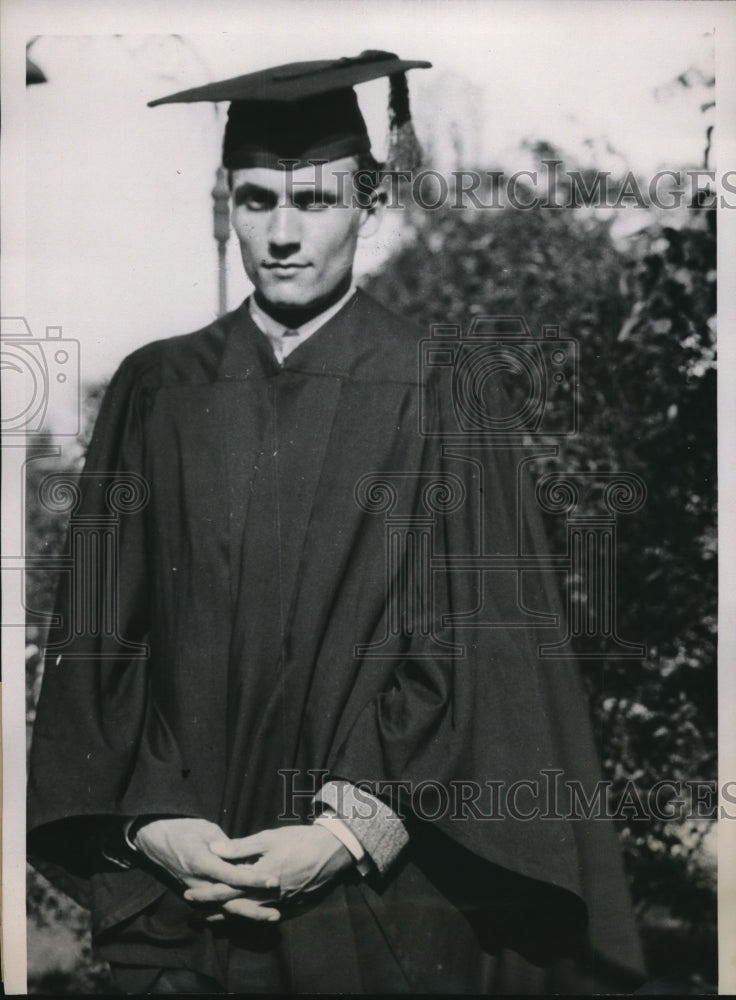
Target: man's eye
{"type": "Point", "coordinates": [311, 204]}
{"type": "Point", "coordinates": [255, 203]}
{"type": "Point", "coordinates": [254, 199]}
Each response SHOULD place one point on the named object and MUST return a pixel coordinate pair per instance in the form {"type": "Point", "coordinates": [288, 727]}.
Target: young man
{"type": "Point", "coordinates": [204, 800]}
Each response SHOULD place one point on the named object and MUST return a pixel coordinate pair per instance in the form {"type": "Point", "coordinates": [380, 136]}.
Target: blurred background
{"type": "Point", "coordinates": [120, 251]}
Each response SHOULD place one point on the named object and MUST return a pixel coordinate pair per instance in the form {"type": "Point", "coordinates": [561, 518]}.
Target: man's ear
{"type": "Point", "coordinates": [371, 216]}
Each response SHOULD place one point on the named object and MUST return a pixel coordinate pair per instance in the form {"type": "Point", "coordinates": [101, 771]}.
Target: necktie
{"type": "Point", "coordinates": [285, 347]}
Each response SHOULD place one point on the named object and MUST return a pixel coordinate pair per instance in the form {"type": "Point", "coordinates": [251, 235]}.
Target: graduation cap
{"type": "Point", "coordinates": [309, 111]}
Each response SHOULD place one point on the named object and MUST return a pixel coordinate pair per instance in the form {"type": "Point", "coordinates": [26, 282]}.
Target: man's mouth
{"type": "Point", "coordinates": [278, 266]}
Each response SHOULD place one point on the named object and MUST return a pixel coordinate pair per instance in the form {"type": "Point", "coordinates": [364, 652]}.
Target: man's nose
{"type": "Point", "coordinates": [284, 233]}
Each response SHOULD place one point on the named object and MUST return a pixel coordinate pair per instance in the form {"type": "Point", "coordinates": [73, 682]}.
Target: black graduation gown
{"type": "Point", "coordinates": [254, 572]}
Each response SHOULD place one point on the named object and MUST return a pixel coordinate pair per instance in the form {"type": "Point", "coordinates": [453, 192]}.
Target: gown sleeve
{"type": "Point", "coordinates": [495, 716]}
{"type": "Point", "coordinates": [100, 751]}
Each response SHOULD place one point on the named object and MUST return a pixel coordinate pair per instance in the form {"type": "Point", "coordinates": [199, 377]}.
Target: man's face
{"type": "Point", "coordinates": [298, 230]}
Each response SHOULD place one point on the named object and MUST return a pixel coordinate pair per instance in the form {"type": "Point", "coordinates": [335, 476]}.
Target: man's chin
{"type": "Point", "coordinates": [286, 293]}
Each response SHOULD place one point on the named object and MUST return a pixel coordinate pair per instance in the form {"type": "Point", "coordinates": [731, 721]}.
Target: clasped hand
{"type": "Point", "coordinates": [244, 877]}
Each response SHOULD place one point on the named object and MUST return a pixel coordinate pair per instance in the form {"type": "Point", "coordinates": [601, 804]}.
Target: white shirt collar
{"type": "Point", "coordinates": [283, 346]}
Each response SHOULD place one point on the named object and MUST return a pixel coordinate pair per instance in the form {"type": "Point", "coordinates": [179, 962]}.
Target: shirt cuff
{"type": "Point", "coordinates": [339, 830]}
{"type": "Point", "coordinates": [377, 828]}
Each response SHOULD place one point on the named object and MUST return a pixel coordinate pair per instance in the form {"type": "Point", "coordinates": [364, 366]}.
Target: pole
{"type": "Point", "coordinates": [221, 225]}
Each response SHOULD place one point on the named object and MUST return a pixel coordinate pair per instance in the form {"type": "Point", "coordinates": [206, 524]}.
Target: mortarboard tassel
{"type": "Point", "coordinates": [404, 151]}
